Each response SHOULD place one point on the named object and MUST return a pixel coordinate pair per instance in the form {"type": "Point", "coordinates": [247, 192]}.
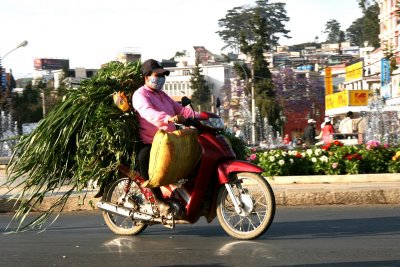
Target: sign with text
{"type": "Point", "coordinates": [328, 81]}
{"type": "Point", "coordinates": [50, 64]}
{"type": "Point", "coordinates": [354, 71]}
{"type": "Point", "coordinates": [385, 71]}
{"type": "Point", "coordinates": [347, 98]}
{"type": "Point", "coordinates": [358, 97]}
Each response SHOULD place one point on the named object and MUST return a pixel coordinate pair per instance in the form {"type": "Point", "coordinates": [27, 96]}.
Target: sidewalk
{"type": "Point", "coordinates": [289, 191]}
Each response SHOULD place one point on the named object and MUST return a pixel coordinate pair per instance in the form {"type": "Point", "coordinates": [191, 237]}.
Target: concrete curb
{"type": "Point", "coordinates": [330, 179]}
{"type": "Point", "coordinates": [337, 194]}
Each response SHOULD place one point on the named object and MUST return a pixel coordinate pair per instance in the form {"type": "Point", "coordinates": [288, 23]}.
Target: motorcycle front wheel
{"type": "Point", "coordinates": [118, 224]}
{"type": "Point", "coordinates": [257, 202]}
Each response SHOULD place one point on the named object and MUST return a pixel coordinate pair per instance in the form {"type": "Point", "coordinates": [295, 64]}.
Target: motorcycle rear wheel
{"type": "Point", "coordinates": [258, 206]}
{"type": "Point", "coordinates": [118, 224]}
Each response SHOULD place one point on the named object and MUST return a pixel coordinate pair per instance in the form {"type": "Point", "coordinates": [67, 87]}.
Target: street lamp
{"type": "Point", "coordinates": [23, 44]}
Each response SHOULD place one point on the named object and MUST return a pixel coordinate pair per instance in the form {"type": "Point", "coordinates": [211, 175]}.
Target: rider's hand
{"type": "Point", "coordinates": [177, 119]}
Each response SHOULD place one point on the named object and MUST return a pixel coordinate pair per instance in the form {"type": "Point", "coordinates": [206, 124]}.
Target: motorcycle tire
{"type": "Point", "coordinates": [118, 224]}
{"type": "Point", "coordinates": [258, 206]}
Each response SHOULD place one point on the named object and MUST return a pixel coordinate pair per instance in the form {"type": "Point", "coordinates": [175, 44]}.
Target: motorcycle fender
{"type": "Point", "coordinates": [232, 166]}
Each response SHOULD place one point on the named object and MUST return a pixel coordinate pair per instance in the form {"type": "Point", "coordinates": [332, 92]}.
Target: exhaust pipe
{"type": "Point", "coordinates": [122, 211]}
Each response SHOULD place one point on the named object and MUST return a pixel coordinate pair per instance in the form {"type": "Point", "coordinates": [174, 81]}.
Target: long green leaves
{"type": "Point", "coordinates": [84, 137]}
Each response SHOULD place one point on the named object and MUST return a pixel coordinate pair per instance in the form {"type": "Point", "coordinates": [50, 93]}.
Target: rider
{"type": "Point", "coordinates": [156, 110]}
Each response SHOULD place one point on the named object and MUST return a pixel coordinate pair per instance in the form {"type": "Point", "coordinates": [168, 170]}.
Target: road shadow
{"type": "Point", "coordinates": [394, 263]}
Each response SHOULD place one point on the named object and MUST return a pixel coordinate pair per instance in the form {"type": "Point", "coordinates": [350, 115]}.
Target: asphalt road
{"type": "Point", "coordinates": [300, 236]}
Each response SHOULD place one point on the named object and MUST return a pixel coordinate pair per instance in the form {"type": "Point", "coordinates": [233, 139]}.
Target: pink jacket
{"type": "Point", "coordinates": [154, 109]}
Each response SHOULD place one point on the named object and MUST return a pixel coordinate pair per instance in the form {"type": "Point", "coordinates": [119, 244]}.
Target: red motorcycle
{"type": "Point", "coordinates": [223, 187]}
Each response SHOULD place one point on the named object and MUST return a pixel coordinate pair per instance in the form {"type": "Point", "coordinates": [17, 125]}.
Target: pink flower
{"type": "Point", "coordinates": [334, 165]}
{"type": "Point", "coordinates": [372, 144]}
{"type": "Point", "coordinates": [253, 157]}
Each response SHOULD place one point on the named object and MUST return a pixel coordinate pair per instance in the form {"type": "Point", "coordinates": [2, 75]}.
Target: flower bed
{"type": "Point", "coordinates": [331, 159]}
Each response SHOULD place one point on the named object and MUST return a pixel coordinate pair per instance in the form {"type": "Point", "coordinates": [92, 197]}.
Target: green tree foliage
{"type": "Point", "coordinates": [332, 28]}
{"type": "Point", "coordinates": [263, 86]}
{"type": "Point", "coordinates": [238, 20]}
{"type": "Point", "coordinates": [355, 33]}
{"type": "Point", "coordinates": [365, 28]}
{"type": "Point", "coordinates": [201, 96]}
{"type": "Point", "coordinates": [26, 107]}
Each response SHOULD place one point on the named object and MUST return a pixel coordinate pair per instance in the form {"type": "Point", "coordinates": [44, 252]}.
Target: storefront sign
{"type": "Point", "coordinates": [347, 98]}
{"type": "Point", "coordinates": [328, 81]}
{"type": "Point", "coordinates": [354, 71]}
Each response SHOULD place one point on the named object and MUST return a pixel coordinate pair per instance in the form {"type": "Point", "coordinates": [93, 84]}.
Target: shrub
{"type": "Point", "coordinates": [331, 159]}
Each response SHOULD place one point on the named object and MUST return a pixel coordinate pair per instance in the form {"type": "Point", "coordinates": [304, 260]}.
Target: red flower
{"type": "Point", "coordinates": [327, 146]}
{"type": "Point", "coordinates": [298, 155]}
{"type": "Point", "coordinates": [351, 157]}
{"type": "Point", "coordinates": [337, 143]}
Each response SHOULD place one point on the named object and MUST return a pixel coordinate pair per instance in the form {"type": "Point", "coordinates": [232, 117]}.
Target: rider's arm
{"type": "Point", "coordinates": [153, 111]}
{"type": "Point", "coordinates": [186, 112]}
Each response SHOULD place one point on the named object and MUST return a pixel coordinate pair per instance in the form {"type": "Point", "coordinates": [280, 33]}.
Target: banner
{"type": "Point", "coordinates": [328, 81]}
{"type": "Point", "coordinates": [354, 71]}
{"type": "Point", "coordinates": [385, 91]}
{"type": "Point", "coordinates": [347, 98]}
{"type": "Point", "coordinates": [385, 71]}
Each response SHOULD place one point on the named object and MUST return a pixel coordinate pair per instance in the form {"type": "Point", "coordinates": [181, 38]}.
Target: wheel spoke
{"type": "Point", "coordinates": [257, 205]}
{"type": "Point", "coordinates": [116, 194]}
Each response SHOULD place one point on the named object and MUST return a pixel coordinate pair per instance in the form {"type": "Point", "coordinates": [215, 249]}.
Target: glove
{"type": "Point", "coordinates": [177, 119]}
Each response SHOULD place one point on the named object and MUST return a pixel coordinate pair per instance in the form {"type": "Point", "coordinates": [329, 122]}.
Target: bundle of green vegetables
{"type": "Point", "coordinates": [84, 137]}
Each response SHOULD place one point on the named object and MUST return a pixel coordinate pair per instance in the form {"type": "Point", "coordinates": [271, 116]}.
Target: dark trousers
{"type": "Point", "coordinates": [144, 159]}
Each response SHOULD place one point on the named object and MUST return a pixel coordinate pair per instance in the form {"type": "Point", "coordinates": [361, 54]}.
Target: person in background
{"type": "Point", "coordinates": [156, 110]}
{"type": "Point", "coordinates": [319, 137]}
{"type": "Point", "coordinates": [309, 133]}
{"type": "Point", "coordinates": [346, 125]}
{"type": "Point", "coordinates": [286, 140]}
{"type": "Point", "coordinates": [237, 131]}
{"type": "Point", "coordinates": [362, 126]}
{"type": "Point", "coordinates": [327, 131]}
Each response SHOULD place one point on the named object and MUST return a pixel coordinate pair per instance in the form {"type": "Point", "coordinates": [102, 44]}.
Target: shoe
{"type": "Point", "coordinates": [164, 208]}
{"type": "Point", "coordinates": [99, 194]}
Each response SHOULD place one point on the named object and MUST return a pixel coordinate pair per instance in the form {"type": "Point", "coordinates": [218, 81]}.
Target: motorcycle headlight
{"type": "Point", "coordinates": [216, 123]}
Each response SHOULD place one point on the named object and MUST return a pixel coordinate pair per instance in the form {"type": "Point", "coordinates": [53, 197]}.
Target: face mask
{"type": "Point", "coordinates": [156, 83]}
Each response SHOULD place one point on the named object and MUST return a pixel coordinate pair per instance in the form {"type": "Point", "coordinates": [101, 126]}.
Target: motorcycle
{"type": "Point", "coordinates": [231, 190]}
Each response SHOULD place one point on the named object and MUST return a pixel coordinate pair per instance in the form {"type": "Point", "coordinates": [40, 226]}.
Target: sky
{"type": "Point", "coordinates": [92, 32]}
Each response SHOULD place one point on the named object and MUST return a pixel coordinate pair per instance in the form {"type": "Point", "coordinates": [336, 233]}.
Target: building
{"type": "Point", "coordinates": [216, 73]}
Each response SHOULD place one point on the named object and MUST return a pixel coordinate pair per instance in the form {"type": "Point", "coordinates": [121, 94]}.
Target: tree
{"type": "Point", "coordinates": [201, 93]}
{"type": "Point", "coordinates": [26, 107]}
{"type": "Point", "coordinates": [365, 28]}
{"type": "Point", "coordinates": [371, 25]}
{"type": "Point", "coordinates": [237, 22]}
{"type": "Point", "coordinates": [332, 28]}
{"type": "Point", "coordinates": [296, 91]}
{"type": "Point", "coordinates": [300, 95]}
{"type": "Point", "coordinates": [263, 87]}
{"type": "Point", "coordinates": [355, 33]}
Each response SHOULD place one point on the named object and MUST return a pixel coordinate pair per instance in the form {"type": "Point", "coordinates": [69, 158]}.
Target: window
{"type": "Point", "coordinates": [186, 72]}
